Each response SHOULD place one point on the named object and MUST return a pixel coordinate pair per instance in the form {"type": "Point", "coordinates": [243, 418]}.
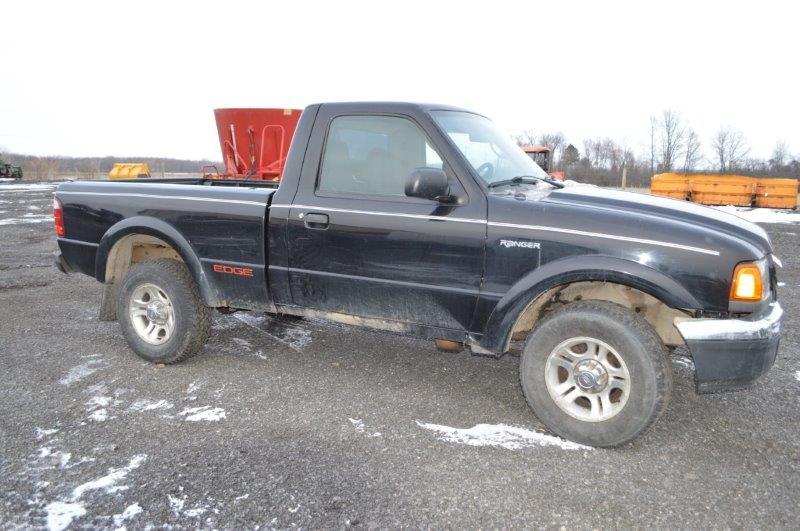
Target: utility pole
{"type": "Point", "coordinates": [624, 176]}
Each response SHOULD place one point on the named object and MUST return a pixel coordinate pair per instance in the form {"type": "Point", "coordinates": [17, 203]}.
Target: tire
{"type": "Point", "coordinates": [179, 310]}
{"type": "Point", "coordinates": [576, 348]}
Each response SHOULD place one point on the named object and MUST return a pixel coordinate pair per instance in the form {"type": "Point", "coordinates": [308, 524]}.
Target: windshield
{"type": "Point", "coordinates": [492, 153]}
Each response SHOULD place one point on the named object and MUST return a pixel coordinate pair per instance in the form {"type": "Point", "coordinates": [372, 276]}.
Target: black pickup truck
{"type": "Point", "coordinates": [428, 220]}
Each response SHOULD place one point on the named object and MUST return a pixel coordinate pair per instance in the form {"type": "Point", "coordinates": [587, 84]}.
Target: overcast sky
{"type": "Point", "coordinates": [141, 78]}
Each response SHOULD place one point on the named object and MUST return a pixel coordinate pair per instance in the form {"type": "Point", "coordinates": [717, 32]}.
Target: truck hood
{"type": "Point", "coordinates": [682, 211]}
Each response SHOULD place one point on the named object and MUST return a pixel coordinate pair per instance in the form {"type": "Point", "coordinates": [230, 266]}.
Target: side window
{"type": "Point", "coordinates": [372, 155]}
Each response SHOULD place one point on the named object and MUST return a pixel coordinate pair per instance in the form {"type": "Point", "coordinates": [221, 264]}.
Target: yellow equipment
{"type": "Point", "coordinates": [129, 170]}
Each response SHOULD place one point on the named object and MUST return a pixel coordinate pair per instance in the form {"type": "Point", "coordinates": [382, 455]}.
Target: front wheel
{"type": "Point", "coordinates": [161, 313]}
{"type": "Point", "coordinates": [595, 373]}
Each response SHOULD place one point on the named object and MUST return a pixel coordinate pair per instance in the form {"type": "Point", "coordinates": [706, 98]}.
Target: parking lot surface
{"type": "Point", "coordinates": [285, 423]}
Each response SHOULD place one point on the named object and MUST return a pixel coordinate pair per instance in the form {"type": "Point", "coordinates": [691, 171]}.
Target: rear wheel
{"type": "Point", "coordinates": [162, 315]}
{"type": "Point", "coordinates": [595, 373]}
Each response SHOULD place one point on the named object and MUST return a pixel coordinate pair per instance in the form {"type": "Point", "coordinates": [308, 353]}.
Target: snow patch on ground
{"type": "Point", "coordinates": [129, 512]}
{"type": "Point", "coordinates": [208, 413]}
{"type": "Point", "coordinates": [176, 504]}
{"type": "Point", "coordinates": [682, 361]}
{"type": "Point", "coordinates": [145, 404]}
{"type": "Point", "coordinates": [108, 483]}
{"type": "Point", "coordinates": [762, 215]}
{"type": "Point", "coordinates": [34, 218]}
{"type": "Point", "coordinates": [502, 435]}
{"type": "Point", "coordinates": [41, 433]}
{"type": "Point", "coordinates": [61, 514]}
{"type": "Point", "coordinates": [358, 424]}
{"type": "Point", "coordinates": [80, 372]}
{"type": "Point", "coordinates": [100, 415]}
{"type": "Point", "coordinates": [27, 187]}
{"type": "Point", "coordinates": [293, 337]}
{"type": "Point", "coordinates": [797, 375]}
{"type": "Point", "coordinates": [242, 342]}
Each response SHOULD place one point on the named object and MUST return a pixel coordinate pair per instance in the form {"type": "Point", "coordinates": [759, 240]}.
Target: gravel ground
{"type": "Point", "coordinates": [302, 423]}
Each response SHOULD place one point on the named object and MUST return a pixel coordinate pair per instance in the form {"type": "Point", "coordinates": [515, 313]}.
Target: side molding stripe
{"type": "Point", "coordinates": [514, 226]}
{"type": "Point", "coordinates": [182, 197]}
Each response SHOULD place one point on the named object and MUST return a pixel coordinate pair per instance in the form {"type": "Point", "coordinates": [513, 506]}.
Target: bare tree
{"type": "Point", "coordinates": [671, 138]}
{"type": "Point", "coordinates": [554, 141]}
{"type": "Point", "coordinates": [691, 153]}
{"type": "Point", "coordinates": [780, 156]}
{"type": "Point", "coordinates": [730, 148]}
{"type": "Point", "coordinates": [653, 132]}
{"type": "Point", "coordinates": [525, 138]}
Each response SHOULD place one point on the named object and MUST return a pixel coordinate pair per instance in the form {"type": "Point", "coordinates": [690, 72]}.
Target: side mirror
{"type": "Point", "coordinates": [428, 183]}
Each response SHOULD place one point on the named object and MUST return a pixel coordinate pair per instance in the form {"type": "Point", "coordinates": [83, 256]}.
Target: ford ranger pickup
{"type": "Point", "coordinates": [428, 220]}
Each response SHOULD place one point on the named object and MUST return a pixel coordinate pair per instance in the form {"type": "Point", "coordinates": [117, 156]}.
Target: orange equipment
{"type": "Point", "coordinates": [776, 193]}
{"type": "Point", "coordinates": [254, 142]}
{"type": "Point", "coordinates": [715, 189]}
{"type": "Point", "coordinates": [541, 155]}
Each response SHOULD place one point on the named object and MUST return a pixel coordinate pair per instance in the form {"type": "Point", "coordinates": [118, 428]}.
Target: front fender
{"type": "Point", "coordinates": [166, 232]}
{"type": "Point", "coordinates": [577, 269]}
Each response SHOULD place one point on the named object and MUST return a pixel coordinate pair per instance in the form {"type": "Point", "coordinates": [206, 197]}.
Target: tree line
{"type": "Point", "coordinates": [672, 146]}
{"type": "Point", "coordinates": [35, 167]}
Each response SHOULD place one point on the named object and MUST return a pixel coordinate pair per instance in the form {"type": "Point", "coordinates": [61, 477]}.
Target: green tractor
{"type": "Point", "coordinates": [9, 171]}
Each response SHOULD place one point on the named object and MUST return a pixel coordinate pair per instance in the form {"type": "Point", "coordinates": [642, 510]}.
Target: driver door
{"type": "Point", "coordinates": [359, 246]}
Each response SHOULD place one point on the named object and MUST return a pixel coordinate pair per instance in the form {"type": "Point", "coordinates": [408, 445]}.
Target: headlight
{"type": "Point", "coordinates": [749, 281]}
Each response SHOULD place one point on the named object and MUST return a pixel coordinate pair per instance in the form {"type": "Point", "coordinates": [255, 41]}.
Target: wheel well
{"type": "Point", "coordinates": [135, 248]}
{"type": "Point", "coordinates": [655, 312]}
{"type": "Point", "coordinates": [127, 251]}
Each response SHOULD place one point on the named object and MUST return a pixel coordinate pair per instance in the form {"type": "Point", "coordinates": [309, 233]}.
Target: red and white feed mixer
{"type": "Point", "coordinates": [254, 142]}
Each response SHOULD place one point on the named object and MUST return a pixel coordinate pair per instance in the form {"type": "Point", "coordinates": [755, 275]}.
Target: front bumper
{"type": "Point", "coordinates": [731, 354]}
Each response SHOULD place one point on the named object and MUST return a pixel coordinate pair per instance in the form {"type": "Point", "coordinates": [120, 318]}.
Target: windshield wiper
{"type": "Point", "coordinates": [529, 179]}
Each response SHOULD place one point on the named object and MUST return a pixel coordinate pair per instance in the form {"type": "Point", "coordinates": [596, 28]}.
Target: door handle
{"type": "Point", "coordinates": [316, 221]}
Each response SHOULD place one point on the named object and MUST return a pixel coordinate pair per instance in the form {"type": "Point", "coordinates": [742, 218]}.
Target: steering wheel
{"type": "Point", "coordinates": [486, 170]}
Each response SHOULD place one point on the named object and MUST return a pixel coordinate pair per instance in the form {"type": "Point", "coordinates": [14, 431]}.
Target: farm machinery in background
{"type": "Point", "coordinates": [254, 142]}
{"type": "Point", "coordinates": [9, 171]}
{"type": "Point", "coordinates": [129, 170]}
{"type": "Point", "coordinates": [542, 155]}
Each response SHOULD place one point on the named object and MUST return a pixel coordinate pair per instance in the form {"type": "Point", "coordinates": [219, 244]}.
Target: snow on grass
{"type": "Point", "coordinates": [207, 413]}
{"type": "Point", "coordinates": [502, 435]}
{"type": "Point", "coordinates": [762, 215]}
{"type": "Point", "coordinates": [61, 514]}
{"type": "Point", "coordinates": [129, 512]}
{"type": "Point", "coordinates": [145, 404]}
{"type": "Point", "coordinates": [80, 372]}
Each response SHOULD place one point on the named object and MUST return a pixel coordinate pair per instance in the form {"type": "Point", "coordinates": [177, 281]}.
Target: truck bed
{"type": "Point", "coordinates": [209, 222]}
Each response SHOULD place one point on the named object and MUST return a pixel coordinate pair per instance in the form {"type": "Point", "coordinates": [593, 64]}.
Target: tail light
{"type": "Point", "coordinates": [58, 217]}
{"type": "Point", "coordinates": [748, 281]}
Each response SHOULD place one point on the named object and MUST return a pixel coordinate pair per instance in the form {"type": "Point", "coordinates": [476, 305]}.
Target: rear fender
{"type": "Point", "coordinates": [166, 232]}
{"type": "Point", "coordinates": [500, 324]}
